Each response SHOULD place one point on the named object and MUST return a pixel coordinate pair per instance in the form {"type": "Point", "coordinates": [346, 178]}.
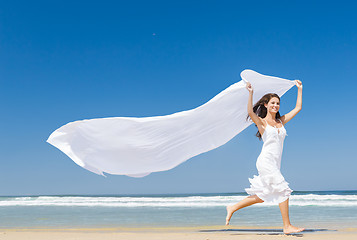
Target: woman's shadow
{"type": "Point", "coordinates": [262, 231]}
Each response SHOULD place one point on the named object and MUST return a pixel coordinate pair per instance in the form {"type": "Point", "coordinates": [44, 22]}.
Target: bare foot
{"type": "Point", "coordinates": [229, 214]}
{"type": "Point", "coordinates": [291, 229]}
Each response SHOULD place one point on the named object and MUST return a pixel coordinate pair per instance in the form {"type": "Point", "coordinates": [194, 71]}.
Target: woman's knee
{"type": "Point", "coordinates": [258, 199]}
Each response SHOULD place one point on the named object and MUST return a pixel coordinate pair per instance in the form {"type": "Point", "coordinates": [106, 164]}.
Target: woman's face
{"type": "Point", "coordinates": [273, 105]}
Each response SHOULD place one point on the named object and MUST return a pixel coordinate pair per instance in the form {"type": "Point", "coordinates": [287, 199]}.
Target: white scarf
{"type": "Point", "coordinates": [137, 147]}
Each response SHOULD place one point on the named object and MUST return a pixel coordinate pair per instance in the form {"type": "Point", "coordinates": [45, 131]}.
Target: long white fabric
{"type": "Point", "coordinates": [137, 147]}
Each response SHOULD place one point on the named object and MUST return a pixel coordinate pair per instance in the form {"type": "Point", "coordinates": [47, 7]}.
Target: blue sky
{"type": "Point", "coordinates": [63, 61]}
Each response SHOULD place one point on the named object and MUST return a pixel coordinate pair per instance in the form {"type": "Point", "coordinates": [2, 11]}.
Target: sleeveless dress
{"type": "Point", "coordinates": [270, 185]}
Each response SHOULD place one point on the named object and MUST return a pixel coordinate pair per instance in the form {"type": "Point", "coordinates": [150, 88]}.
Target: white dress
{"type": "Point", "coordinates": [270, 185]}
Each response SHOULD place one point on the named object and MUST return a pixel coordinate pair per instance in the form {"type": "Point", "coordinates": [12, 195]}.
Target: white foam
{"type": "Point", "coordinates": [190, 201]}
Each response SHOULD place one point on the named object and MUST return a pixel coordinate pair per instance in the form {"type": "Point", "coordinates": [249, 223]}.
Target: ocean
{"type": "Point", "coordinates": [310, 209]}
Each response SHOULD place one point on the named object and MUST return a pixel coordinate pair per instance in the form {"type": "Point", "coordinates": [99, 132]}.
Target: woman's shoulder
{"type": "Point", "coordinates": [262, 119]}
{"type": "Point", "coordinates": [264, 122]}
{"type": "Point", "coordinates": [282, 119]}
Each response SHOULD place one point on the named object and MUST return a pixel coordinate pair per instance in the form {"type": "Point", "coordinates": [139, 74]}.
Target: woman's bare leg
{"type": "Point", "coordinates": [288, 228]}
{"type": "Point", "coordinates": [250, 200]}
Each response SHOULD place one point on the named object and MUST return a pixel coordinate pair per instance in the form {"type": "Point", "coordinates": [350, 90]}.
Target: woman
{"type": "Point", "coordinates": [270, 186]}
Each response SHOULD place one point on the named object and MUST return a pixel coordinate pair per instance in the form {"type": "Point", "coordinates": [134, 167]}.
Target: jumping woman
{"type": "Point", "coordinates": [269, 186]}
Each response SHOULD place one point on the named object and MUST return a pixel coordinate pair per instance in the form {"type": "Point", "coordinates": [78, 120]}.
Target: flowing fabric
{"type": "Point", "coordinates": [137, 147]}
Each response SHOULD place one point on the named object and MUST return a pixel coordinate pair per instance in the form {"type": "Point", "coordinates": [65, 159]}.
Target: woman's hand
{"type": "Point", "coordinates": [249, 87]}
{"type": "Point", "coordinates": [298, 83]}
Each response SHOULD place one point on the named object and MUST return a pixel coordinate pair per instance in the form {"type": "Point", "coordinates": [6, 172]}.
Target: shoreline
{"type": "Point", "coordinates": [172, 233]}
{"type": "Point", "coordinates": [171, 228]}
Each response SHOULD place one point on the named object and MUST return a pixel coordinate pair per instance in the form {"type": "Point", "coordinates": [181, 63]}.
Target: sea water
{"type": "Point", "coordinates": [313, 209]}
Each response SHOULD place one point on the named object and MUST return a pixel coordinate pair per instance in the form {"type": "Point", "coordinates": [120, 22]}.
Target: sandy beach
{"type": "Point", "coordinates": [204, 233]}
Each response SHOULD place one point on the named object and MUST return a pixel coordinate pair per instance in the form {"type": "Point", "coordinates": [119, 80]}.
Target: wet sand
{"type": "Point", "coordinates": [186, 233]}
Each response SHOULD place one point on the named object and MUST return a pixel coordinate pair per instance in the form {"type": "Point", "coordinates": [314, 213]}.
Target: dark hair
{"type": "Point", "coordinates": [261, 110]}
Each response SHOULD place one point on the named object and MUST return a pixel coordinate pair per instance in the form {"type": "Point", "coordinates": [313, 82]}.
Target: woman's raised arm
{"type": "Point", "coordinates": [287, 117]}
{"type": "Point", "coordinates": [256, 119]}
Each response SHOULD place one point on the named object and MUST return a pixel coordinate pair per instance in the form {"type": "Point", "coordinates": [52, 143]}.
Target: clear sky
{"type": "Point", "coordinates": [62, 61]}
